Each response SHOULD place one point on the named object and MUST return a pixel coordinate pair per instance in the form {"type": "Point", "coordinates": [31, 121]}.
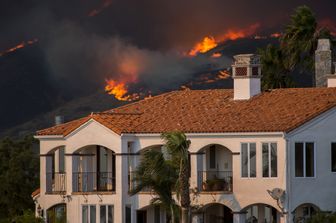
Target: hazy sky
{"type": "Point", "coordinates": [153, 24]}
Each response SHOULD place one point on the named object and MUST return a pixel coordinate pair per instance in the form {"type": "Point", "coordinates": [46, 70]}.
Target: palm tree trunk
{"type": "Point", "coordinates": [185, 193]}
{"type": "Point", "coordinates": [172, 211]}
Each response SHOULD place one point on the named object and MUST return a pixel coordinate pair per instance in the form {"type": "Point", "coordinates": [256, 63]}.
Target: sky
{"type": "Point", "coordinates": [87, 43]}
{"type": "Point", "coordinates": [150, 24]}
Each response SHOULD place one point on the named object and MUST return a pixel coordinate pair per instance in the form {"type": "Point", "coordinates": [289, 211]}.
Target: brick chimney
{"type": "Point", "coordinates": [323, 64]}
{"type": "Point", "coordinates": [246, 72]}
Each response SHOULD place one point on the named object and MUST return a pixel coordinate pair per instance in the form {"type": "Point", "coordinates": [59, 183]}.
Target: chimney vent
{"type": "Point", "coordinates": [59, 119]}
{"type": "Point", "coordinates": [246, 72]}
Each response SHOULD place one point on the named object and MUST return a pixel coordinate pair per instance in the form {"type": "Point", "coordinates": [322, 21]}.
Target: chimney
{"type": "Point", "coordinates": [323, 65]}
{"type": "Point", "coordinates": [331, 79]}
{"type": "Point", "coordinates": [246, 73]}
{"type": "Point", "coordinates": [59, 119]}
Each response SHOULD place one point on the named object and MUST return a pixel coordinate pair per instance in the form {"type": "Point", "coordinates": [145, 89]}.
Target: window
{"type": "Point", "coordinates": [333, 157]}
{"type": "Point", "coordinates": [57, 214]}
{"type": "Point", "coordinates": [248, 159]}
{"type": "Point", "coordinates": [88, 214]}
{"type": "Point", "coordinates": [304, 159]}
{"type": "Point", "coordinates": [269, 160]}
{"type": "Point", "coordinates": [106, 214]}
{"type": "Point", "coordinates": [128, 214]}
{"type": "Point", "coordinates": [157, 214]}
{"type": "Point", "coordinates": [212, 157]}
{"type": "Point", "coordinates": [61, 159]}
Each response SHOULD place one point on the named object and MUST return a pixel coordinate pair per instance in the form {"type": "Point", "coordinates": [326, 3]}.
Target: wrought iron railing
{"type": "Point", "coordinates": [215, 181]}
{"type": "Point", "coordinates": [93, 181]}
{"type": "Point", "coordinates": [55, 182]}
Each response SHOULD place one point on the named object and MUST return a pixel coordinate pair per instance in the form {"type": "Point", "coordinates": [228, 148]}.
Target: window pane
{"type": "Point", "coordinates": [92, 214]}
{"type": "Point", "coordinates": [265, 160]}
{"type": "Point", "coordinates": [244, 160]}
{"type": "Point", "coordinates": [102, 214]}
{"type": "Point", "coordinates": [128, 214]}
{"type": "Point", "coordinates": [299, 159]}
{"type": "Point", "coordinates": [61, 167]}
{"type": "Point", "coordinates": [212, 157]}
{"type": "Point", "coordinates": [85, 218]}
{"type": "Point", "coordinates": [310, 159]}
{"type": "Point", "coordinates": [110, 214]}
{"type": "Point", "coordinates": [274, 160]}
{"type": "Point", "coordinates": [157, 214]}
{"type": "Point", "coordinates": [253, 167]}
{"type": "Point", "coordinates": [333, 157]}
{"type": "Point", "coordinates": [103, 159]}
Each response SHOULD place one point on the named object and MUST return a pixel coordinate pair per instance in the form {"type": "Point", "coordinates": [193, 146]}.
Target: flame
{"type": "Point", "coordinates": [19, 46]}
{"type": "Point", "coordinates": [94, 12]}
{"type": "Point", "coordinates": [205, 45]}
{"type": "Point", "coordinates": [210, 42]}
{"type": "Point", "coordinates": [120, 91]}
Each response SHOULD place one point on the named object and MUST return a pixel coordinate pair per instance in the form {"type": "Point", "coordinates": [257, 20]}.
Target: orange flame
{"type": "Point", "coordinates": [19, 46]}
{"type": "Point", "coordinates": [210, 42]}
{"type": "Point", "coordinates": [207, 44]}
{"type": "Point", "coordinates": [275, 35]}
{"type": "Point", "coordinates": [119, 90]}
{"type": "Point", "coordinates": [216, 55]}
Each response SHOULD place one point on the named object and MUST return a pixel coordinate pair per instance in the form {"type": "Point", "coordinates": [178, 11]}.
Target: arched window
{"type": "Point", "coordinates": [57, 214]}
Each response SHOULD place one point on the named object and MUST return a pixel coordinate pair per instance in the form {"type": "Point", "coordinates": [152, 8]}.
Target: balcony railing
{"type": "Point", "coordinates": [93, 181]}
{"type": "Point", "coordinates": [215, 181]}
{"type": "Point", "coordinates": [55, 182]}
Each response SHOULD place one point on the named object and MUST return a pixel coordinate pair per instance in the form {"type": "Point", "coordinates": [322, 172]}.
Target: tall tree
{"type": "Point", "coordinates": [19, 176]}
{"type": "Point", "coordinates": [177, 145]}
{"type": "Point", "coordinates": [275, 74]}
{"type": "Point", "coordinates": [299, 40]}
{"type": "Point", "coordinates": [158, 174]}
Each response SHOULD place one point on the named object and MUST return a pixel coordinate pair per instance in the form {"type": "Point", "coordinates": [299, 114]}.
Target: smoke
{"type": "Point", "coordinates": [81, 61]}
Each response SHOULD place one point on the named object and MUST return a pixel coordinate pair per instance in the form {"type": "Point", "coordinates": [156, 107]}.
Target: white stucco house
{"type": "Point", "coordinates": [255, 156]}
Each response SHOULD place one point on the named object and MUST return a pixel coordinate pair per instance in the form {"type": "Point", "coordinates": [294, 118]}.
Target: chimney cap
{"type": "Point", "coordinates": [323, 44]}
{"type": "Point", "coordinates": [246, 59]}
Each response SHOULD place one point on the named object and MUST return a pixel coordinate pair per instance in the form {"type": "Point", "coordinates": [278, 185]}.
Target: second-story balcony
{"type": "Point", "coordinates": [93, 182]}
{"type": "Point", "coordinates": [56, 183]}
{"type": "Point", "coordinates": [215, 180]}
{"type": "Point", "coordinates": [214, 169]}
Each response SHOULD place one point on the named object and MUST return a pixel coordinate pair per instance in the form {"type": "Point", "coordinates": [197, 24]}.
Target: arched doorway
{"type": "Point", "coordinates": [94, 169]}
{"type": "Point", "coordinates": [57, 214]}
{"type": "Point", "coordinates": [304, 212]}
{"type": "Point", "coordinates": [214, 213]}
{"type": "Point", "coordinates": [55, 171]}
{"type": "Point", "coordinates": [215, 169]}
{"type": "Point", "coordinates": [261, 213]}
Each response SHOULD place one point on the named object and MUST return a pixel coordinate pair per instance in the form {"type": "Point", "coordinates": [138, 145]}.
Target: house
{"type": "Point", "coordinates": [255, 156]}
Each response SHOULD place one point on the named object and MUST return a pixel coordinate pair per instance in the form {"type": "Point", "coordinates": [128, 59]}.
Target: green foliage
{"type": "Point", "coordinates": [296, 50]}
{"type": "Point", "coordinates": [19, 176]}
{"type": "Point", "coordinates": [323, 218]}
{"type": "Point", "coordinates": [27, 217]}
{"type": "Point", "coordinates": [275, 75]}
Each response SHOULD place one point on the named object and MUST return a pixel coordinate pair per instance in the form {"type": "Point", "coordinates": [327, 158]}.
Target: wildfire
{"type": "Point", "coordinates": [119, 90]}
{"type": "Point", "coordinates": [205, 45]}
{"type": "Point", "coordinates": [94, 12]}
{"type": "Point", "coordinates": [216, 55]}
{"type": "Point", "coordinates": [275, 35]}
{"type": "Point", "coordinates": [329, 24]}
{"type": "Point", "coordinates": [19, 46]}
{"type": "Point", "coordinates": [210, 42]}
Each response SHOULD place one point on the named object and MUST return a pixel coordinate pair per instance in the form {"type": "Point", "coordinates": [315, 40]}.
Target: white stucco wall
{"type": "Point", "coordinates": [318, 190]}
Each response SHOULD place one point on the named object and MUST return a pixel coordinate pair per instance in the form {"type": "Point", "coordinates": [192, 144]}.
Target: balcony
{"type": "Point", "coordinates": [215, 181]}
{"type": "Point", "coordinates": [93, 182]}
{"type": "Point", "coordinates": [56, 183]}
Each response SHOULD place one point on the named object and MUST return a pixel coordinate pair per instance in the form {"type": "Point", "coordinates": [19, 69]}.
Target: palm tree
{"type": "Point", "coordinates": [275, 75]}
{"type": "Point", "coordinates": [300, 38]}
{"type": "Point", "coordinates": [159, 175]}
{"type": "Point", "coordinates": [177, 146]}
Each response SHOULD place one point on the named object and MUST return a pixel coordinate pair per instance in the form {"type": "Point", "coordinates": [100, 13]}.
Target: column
{"type": "Point", "coordinates": [43, 174]}
{"type": "Point", "coordinates": [239, 217]}
{"type": "Point", "coordinates": [68, 171]}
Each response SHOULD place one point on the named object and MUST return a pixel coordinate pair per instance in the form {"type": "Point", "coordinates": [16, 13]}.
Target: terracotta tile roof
{"type": "Point", "coordinates": [209, 111]}
{"type": "Point", "coordinates": [36, 192]}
